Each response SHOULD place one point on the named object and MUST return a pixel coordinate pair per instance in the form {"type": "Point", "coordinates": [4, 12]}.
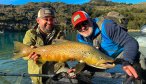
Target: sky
{"type": "Point", "coordinates": [21, 2]}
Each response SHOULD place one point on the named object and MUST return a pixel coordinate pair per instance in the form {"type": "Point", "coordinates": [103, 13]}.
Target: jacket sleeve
{"type": "Point", "coordinates": [28, 38]}
{"type": "Point", "coordinates": [122, 38]}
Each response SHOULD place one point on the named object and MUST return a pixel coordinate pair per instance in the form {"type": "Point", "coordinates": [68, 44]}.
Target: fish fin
{"type": "Point", "coordinates": [58, 41]}
{"type": "Point", "coordinates": [19, 50]}
{"type": "Point", "coordinates": [58, 65]}
{"type": "Point", "coordinates": [79, 67]}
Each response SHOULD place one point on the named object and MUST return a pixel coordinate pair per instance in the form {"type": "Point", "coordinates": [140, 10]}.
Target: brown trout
{"type": "Point", "coordinates": [64, 51]}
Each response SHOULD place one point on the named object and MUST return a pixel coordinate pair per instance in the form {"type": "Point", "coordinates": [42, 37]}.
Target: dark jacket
{"type": "Point", "coordinates": [114, 40]}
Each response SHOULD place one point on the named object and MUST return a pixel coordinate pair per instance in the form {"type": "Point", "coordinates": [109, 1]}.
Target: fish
{"type": "Point", "coordinates": [63, 51]}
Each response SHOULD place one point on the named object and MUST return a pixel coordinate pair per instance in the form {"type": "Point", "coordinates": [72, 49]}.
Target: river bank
{"type": "Point", "coordinates": [133, 30]}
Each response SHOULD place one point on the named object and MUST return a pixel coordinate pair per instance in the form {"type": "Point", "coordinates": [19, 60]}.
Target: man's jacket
{"type": "Point", "coordinates": [33, 37]}
{"type": "Point", "coordinates": [114, 40]}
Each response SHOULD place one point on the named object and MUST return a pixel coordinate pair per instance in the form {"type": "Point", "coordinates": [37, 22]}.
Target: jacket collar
{"type": "Point", "coordinates": [96, 30]}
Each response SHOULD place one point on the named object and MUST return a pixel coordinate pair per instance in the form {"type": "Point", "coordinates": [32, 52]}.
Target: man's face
{"type": "Point", "coordinates": [46, 24]}
{"type": "Point", "coordinates": [85, 28]}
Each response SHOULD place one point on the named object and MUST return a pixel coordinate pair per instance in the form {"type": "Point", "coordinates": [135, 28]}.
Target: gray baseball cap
{"type": "Point", "coordinates": [43, 12]}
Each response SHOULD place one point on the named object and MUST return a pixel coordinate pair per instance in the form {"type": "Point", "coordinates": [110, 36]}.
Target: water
{"type": "Point", "coordinates": [141, 38]}
{"type": "Point", "coordinates": [14, 66]}
{"type": "Point", "coordinates": [6, 63]}
{"type": "Point", "coordinates": [20, 66]}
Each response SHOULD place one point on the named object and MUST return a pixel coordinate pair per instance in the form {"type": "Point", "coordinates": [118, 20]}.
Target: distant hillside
{"type": "Point", "coordinates": [22, 17]}
{"type": "Point", "coordinates": [94, 1]}
{"type": "Point", "coordinates": [140, 6]}
{"type": "Point", "coordinates": [143, 3]}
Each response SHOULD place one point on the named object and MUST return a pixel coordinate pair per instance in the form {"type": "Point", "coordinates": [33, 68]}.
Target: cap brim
{"type": "Point", "coordinates": [79, 23]}
{"type": "Point", "coordinates": [47, 16]}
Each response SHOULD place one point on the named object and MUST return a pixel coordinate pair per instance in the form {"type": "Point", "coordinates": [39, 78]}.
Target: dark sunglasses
{"type": "Point", "coordinates": [83, 24]}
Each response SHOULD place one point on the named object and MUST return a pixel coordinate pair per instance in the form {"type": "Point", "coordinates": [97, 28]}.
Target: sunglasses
{"type": "Point", "coordinates": [83, 24]}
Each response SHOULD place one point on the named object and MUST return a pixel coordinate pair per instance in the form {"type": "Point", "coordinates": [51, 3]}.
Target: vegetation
{"type": "Point", "coordinates": [22, 17]}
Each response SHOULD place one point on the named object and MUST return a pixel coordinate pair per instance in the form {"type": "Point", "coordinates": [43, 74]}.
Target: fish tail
{"type": "Point", "coordinates": [20, 50]}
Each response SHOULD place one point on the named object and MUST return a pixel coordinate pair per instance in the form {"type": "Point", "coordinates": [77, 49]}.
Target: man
{"type": "Point", "coordinates": [43, 34]}
{"type": "Point", "coordinates": [114, 40]}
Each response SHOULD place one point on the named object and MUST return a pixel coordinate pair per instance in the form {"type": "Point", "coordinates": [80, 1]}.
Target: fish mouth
{"type": "Point", "coordinates": [105, 65]}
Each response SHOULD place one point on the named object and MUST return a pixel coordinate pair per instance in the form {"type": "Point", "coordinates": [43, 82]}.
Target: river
{"type": "Point", "coordinates": [20, 66]}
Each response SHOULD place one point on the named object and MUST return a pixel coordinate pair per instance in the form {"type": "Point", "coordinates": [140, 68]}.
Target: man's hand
{"type": "Point", "coordinates": [130, 71]}
{"type": "Point", "coordinates": [71, 73]}
{"type": "Point", "coordinates": [33, 55]}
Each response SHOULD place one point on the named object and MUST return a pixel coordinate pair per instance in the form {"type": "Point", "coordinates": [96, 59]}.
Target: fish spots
{"type": "Point", "coordinates": [81, 61]}
{"type": "Point", "coordinates": [43, 50]}
{"type": "Point", "coordinates": [100, 58]}
{"type": "Point", "coordinates": [24, 51]}
{"type": "Point", "coordinates": [65, 51]}
{"type": "Point", "coordinates": [46, 56]}
{"type": "Point", "coordinates": [89, 53]}
{"type": "Point", "coordinates": [86, 52]}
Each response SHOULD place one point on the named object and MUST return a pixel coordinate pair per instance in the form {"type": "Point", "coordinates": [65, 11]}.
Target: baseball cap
{"type": "Point", "coordinates": [43, 12]}
{"type": "Point", "coordinates": [115, 14]}
{"type": "Point", "coordinates": [78, 17]}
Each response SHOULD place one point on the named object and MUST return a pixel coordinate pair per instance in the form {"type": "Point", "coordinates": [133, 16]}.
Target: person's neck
{"type": "Point", "coordinates": [42, 33]}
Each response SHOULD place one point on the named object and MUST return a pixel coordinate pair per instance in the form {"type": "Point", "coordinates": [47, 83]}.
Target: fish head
{"type": "Point", "coordinates": [99, 60]}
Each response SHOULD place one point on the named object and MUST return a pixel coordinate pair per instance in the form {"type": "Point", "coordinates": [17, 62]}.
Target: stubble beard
{"type": "Point", "coordinates": [48, 29]}
{"type": "Point", "coordinates": [88, 32]}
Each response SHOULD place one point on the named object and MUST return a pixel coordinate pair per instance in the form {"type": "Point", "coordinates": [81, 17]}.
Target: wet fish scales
{"type": "Point", "coordinates": [65, 51]}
